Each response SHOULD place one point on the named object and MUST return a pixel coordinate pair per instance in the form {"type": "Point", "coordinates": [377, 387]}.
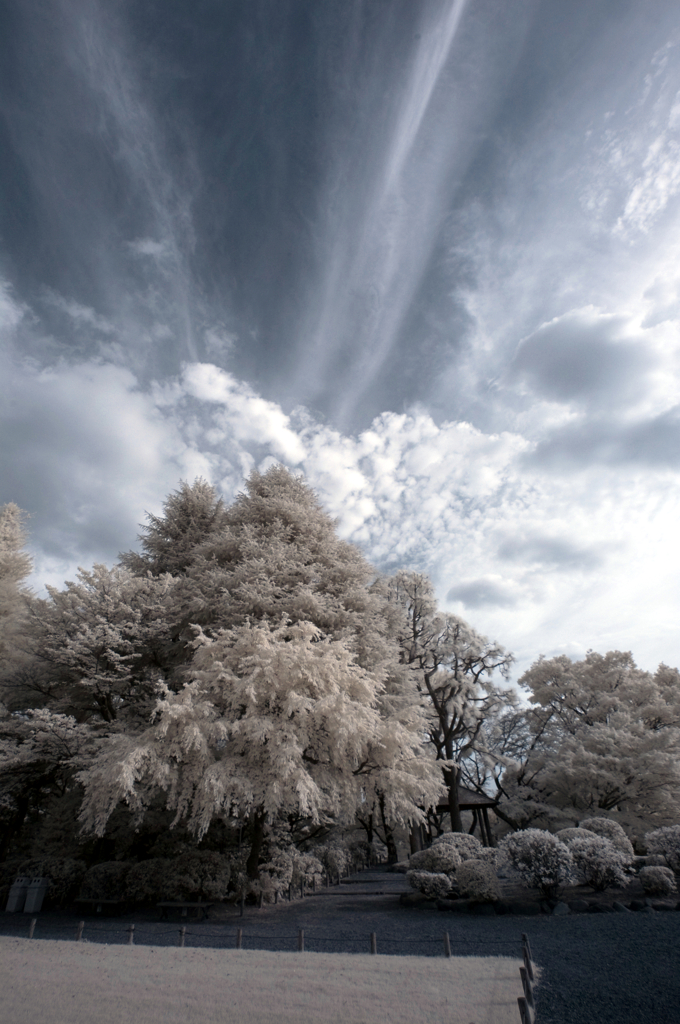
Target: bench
{"type": "Point", "coordinates": [184, 906]}
{"type": "Point", "coordinates": [98, 906]}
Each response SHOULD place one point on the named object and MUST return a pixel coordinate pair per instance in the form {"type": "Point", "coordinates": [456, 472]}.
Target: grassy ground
{"type": "Point", "coordinates": [80, 983]}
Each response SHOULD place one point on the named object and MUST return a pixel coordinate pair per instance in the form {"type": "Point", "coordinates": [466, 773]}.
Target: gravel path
{"type": "Point", "coordinates": [597, 968]}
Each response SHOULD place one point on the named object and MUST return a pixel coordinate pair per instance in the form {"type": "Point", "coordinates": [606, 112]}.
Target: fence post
{"type": "Point", "coordinates": [301, 940]}
{"type": "Point", "coordinates": [290, 893]}
{"type": "Point", "coordinates": [182, 933]}
{"type": "Point", "coordinates": [447, 945]}
{"type": "Point", "coordinates": [526, 985]}
{"type": "Point", "coordinates": [524, 1011]}
{"type": "Point", "coordinates": [259, 899]}
{"type": "Point", "coordinates": [526, 956]}
{"type": "Point", "coordinates": [79, 934]}
{"type": "Point", "coordinates": [239, 938]}
{"type": "Point", "coordinates": [374, 943]}
{"type": "Point", "coordinates": [242, 904]}
{"type": "Point", "coordinates": [131, 935]}
{"type": "Point", "coordinates": [32, 927]}
{"type": "Point", "coordinates": [302, 888]}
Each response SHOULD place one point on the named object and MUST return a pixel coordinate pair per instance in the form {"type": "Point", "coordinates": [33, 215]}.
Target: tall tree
{"type": "Point", "coordinates": [285, 707]}
{"type": "Point", "coordinates": [452, 665]}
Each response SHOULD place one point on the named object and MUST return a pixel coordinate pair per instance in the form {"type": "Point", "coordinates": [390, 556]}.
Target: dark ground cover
{"type": "Point", "coordinates": [596, 968]}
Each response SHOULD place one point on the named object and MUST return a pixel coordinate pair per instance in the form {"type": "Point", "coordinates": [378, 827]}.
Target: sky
{"type": "Point", "coordinates": [424, 252]}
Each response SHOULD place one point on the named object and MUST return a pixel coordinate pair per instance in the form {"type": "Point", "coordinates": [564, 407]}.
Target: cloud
{"type": "Point", "coordinates": [584, 357]}
{"type": "Point", "coordinates": [487, 590]}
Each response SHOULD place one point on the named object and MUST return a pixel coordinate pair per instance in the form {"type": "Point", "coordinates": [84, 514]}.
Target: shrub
{"type": "Point", "coordinates": [542, 861]}
{"type": "Point", "coordinates": [612, 831]}
{"type": "Point", "coordinates": [199, 875]}
{"type": "Point", "coordinates": [477, 880]}
{"type": "Point", "coordinates": [146, 881]}
{"type": "Point", "coordinates": [599, 862]}
{"type": "Point", "coordinates": [565, 835]}
{"type": "Point", "coordinates": [105, 881]}
{"type": "Point", "coordinates": [657, 881]}
{"type": "Point", "coordinates": [466, 846]}
{"type": "Point", "coordinates": [65, 875]}
{"type": "Point", "coordinates": [666, 841]}
{"type": "Point", "coordinates": [334, 856]}
{"type": "Point", "coordinates": [432, 884]}
{"type": "Point", "coordinates": [440, 858]}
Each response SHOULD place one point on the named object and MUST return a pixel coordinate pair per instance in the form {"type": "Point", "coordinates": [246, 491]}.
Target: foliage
{"type": "Point", "coordinates": [477, 880]}
{"type": "Point", "coordinates": [105, 881]}
{"type": "Point", "coordinates": [433, 885]}
{"type": "Point", "coordinates": [600, 864]}
{"type": "Point", "coordinates": [65, 875]}
{"type": "Point", "coordinates": [146, 882]}
{"type": "Point", "coordinates": [334, 856]}
{"type": "Point", "coordinates": [602, 736]}
{"type": "Point", "coordinates": [467, 847]}
{"type": "Point", "coordinates": [452, 665]}
{"type": "Point", "coordinates": [666, 841]}
{"type": "Point", "coordinates": [612, 831]}
{"type": "Point", "coordinates": [657, 881]}
{"type": "Point", "coordinates": [565, 835]}
{"type": "Point", "coordinates": [542, 861]}
{"type": "Point", "coordinates": [440, 858]}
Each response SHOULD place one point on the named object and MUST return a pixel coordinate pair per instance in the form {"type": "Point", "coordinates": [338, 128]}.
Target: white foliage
{"type": "Point", "coordinates": [477, 880]}
{"type": "Point", "coordinates": [433, 885]}
{"type": "Point", "coordinates": [666, 841]}
{"type": "Point", "coordinates": [598, 861]}
{"type": "Point", "coordinates": [467, 846]}
{"type": "Point", "coordinates": [657, 881]}
{"type": "Point", "coordinates": [612, 831]}
{"type": "Point", "coordinates": [542, 861]}
{"type": "Point", "coordinates": [440, 858]}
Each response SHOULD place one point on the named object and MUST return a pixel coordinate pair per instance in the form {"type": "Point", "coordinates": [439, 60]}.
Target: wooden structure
{"type": "Point", "coordinates": [479, 804]}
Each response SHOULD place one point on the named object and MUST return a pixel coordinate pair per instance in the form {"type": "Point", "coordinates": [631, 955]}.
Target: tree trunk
{"type": "Point", "coordinates": [451, 781]}
{"type": "Point", "coordinates": [415, 838]}
{"type": "Point", "coordinates": [252, 864]}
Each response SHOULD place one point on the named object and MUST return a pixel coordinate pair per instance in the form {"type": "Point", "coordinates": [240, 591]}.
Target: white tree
{"type": "Point", "coordinates": [603, 735]}
{"type": "Point", "coordinates": [277, 719]}
{"type": "Point", "coordinates": [452, 666]}
{"type": "Point", "coordinates": [15, 565]}
{"type": "Point", "coordinates": [274, 562]}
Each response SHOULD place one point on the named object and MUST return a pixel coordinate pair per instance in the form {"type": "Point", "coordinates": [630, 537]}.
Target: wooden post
{"type": "Point", "coordinates": [276, 895]}
{"type": "Point", "coordinates": [32, 927]}
{"type": "Point", "coordinates": [242, 905]}
{"type": "Point", "coordinates": [526, 985]}
{"type": "Point", "coordinates": [526, 956]}
{"type": "Point", "coordinates": [259, 899]}
{"type": "Point", "coordinates": [239, 938]}
{"type": "Point", "coordinates": [79, 934]}
{"type": "Point", "coordinates": [302, 888]}
{"type": "Point", "coordinates": [290, 893]}
{"type": "Point", "coordinates": [374, 943]}
{"type": "Point", "coordinates": [182, 933]}
{"type": "Point", "coordinates": [301, 940]}
{"type": "Point", "coordinates": [131, 935]}
{"type": "Point", "coordinates": [447, 944]}
{"type": "Point", "coordinates": [313, 883]}
{"type": "Point", "coordinates": [524, 1011]}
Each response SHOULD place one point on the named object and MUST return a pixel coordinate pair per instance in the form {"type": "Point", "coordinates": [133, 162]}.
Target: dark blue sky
{"type": "Point", "coordinates": [438, 234]}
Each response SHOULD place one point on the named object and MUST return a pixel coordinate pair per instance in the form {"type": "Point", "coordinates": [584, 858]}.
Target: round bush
{"type": "Point", "coordinates": [612, 831]}
{"type": "Point", "coordinates": [440, 858]}
{"type": "Point", "coordinates": [567, 834]}
{"type": "Point", "coordinates": [146, 882]}
{"type": "Point", "coordinates": [598, 861]}
{"type": "Point", "coordinates": [542, 861]}
{"type": "Point", "coordinates": [665, 841]}
{"type": "Point", "coordinates": [478, 881]}
{"type": "Point", "coordinates": [433, 885]}
{"type": "Point", "coordinates": [657, 881]}
{"type": "Point", "coordinates": [466, 846]}
{"type": "Point", "coordinates": [106, 881]}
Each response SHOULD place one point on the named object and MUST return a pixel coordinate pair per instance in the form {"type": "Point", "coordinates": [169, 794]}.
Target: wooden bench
{"type": "Point", "coordinates": [98, 906]}
{"type": "Point", "coordinates": [184, 906]}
